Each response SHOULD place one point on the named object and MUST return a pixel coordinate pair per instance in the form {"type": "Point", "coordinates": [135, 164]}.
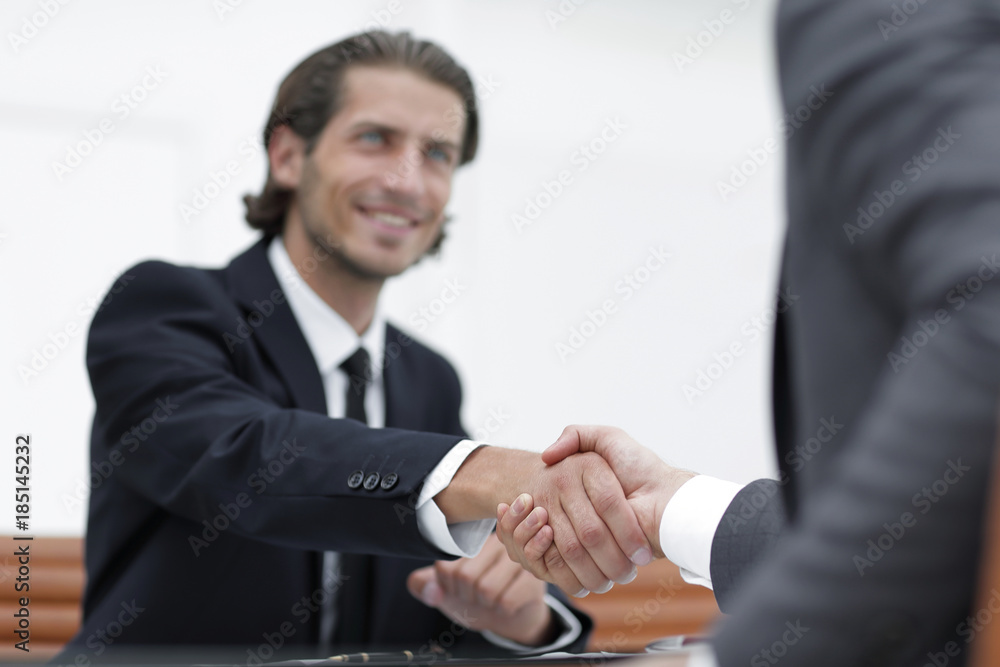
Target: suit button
{"type": "Point", "coordinates": [354, 481]}
{"type": "Point", "coordinates": [371, 481]}
{"type": "Point", "coordinates": [389, 481]}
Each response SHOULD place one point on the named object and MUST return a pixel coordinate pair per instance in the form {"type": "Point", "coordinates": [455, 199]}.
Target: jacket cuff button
{"type": "Point", "coordinates": [371, 481]}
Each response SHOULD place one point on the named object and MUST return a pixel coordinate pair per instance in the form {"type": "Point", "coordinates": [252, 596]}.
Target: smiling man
{"type": "Point", "coordinates": [314, 466]}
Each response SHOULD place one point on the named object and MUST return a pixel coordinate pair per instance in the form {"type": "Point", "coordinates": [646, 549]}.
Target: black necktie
{"type": "Point", "coordinates": [359, 376]}
{"type": "Point", "coordinates": [352, 598]}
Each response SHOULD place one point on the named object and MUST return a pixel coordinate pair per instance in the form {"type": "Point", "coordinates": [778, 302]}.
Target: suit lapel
{"type": "Point", "coordinates": [255, 287]}
{"type": "Point", "coordinates": [403, 407]}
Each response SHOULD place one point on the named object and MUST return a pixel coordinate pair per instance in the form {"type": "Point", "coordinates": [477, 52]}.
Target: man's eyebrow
{"type": "Point", "coordinates": [372, 125]}
{"type": "Point", "coordinates": [450, 145]}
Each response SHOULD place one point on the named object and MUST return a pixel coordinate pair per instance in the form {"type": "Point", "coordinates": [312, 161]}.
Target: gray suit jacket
{"type": "Point", "coordinates": [887, 364]}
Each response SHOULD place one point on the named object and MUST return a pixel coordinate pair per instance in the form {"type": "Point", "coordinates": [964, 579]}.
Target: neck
{"type": "Point", "coordinates": [352, 296]}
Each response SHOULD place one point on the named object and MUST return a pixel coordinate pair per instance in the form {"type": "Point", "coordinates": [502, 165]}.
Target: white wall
{"type": "Point", "coordinates": [550, 87]}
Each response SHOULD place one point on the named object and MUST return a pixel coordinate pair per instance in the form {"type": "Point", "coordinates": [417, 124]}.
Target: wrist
{"type": "Point", "coordinates": [670, 482]}
{"type": "Point", "coordinates": [541, 628]}
{"type": "Point", "coordinates": [487, 477]}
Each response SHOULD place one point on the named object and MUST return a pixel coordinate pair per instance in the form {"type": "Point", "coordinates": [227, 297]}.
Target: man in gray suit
{"type": "Point", "coordinates": [886, 369]}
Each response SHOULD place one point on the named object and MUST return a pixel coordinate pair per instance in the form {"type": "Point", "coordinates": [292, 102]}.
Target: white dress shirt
{"type": "Point", "coordinates": [687, 529]}
{"type": "Point", "coordinates": [332, 340]}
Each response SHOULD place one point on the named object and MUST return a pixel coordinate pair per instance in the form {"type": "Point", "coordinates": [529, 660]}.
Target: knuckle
{"type": "Point", "coordinates": [554, 560]}
{"type": "Point", "coordinates": [508, 606]}
{"type": "Point", "coordinates": [591, 536]}
{"type": "Point", "coordinates": [488, 594]}
{"type": "Point", "coordinates": [605, 502]}
{"type": "Point", "coordinates": [465, 579]}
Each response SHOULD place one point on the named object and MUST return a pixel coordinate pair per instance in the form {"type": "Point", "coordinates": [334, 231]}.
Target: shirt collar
{"type": "Point", "coordinates": [329, 336]}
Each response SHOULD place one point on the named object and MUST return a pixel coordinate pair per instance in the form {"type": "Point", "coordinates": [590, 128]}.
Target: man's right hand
{"type": "Point", "coordinates": [647, 481]}
{"type": "Point", "coordinates": [593, 523]}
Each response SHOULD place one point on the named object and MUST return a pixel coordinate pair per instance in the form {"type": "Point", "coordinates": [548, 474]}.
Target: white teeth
{"type": "Point", "coordinates": [390, 219]}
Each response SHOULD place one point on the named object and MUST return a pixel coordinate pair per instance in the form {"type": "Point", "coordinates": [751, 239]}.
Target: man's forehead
{"type": "Point", "coordinates": [402, 99]}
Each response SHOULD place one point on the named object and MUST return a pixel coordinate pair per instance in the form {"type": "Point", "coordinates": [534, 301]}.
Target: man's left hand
{"type": "Point", "coordinates": [487, 592]}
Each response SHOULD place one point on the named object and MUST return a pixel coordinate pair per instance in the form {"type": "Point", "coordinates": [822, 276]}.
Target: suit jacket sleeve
{"type": "Point", "coordinates": [193, 426]}
{"type": "Point", "coordinates": [879, 559]}
{"type": "Point", "coordinates": [747, 534]}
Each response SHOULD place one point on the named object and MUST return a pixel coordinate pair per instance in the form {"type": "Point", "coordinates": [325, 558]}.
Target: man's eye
{"type": "Point", "coordinates": [371, 137]}
{"type": "Point", "coordinates": [439, 155]}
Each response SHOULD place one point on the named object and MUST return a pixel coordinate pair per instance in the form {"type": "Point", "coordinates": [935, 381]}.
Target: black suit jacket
{"type": "Point", "coordinates": [220, 476]}
{"type": "Point", "coordinates": [893, 343]}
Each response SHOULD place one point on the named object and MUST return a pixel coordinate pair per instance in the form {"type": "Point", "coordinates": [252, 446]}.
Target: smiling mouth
{"type": "Point", "coordinates": [390, 220]}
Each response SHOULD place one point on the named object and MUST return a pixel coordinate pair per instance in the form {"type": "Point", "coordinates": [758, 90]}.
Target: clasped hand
{"type": "Point", "coordinates": [581, 558]}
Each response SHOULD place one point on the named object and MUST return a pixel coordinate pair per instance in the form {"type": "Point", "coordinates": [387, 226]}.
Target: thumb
{"type": "Point", "coordinates": [573, 439]}
{"type": "Point", "coordinates": [424, 586]}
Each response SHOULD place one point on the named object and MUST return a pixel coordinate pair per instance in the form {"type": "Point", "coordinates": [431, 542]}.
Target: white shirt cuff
{"type": "Point", "coordinates": [702, 655]}
{"type": "Point", "coordinates": [689, 522]}
{"type": "Point", "coordinates": [465, 539]}
{"type": "Point", "coordinates": [571, 631]}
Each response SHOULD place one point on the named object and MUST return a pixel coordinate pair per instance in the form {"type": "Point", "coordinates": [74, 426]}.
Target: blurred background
{"type": "Point", "coordinates": [637, 292]}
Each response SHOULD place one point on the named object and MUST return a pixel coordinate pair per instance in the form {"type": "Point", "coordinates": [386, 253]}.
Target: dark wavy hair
{"type": "Point", "coordinates": [312, 94]}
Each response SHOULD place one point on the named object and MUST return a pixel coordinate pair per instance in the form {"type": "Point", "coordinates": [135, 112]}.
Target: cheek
{"type": "Point", "coordinates": [441, 193]}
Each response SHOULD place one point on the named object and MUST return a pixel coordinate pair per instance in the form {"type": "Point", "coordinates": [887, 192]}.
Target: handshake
{"type": "Point", "coordinates": [593, 514]}
{"type": "Point", "coordinates": [585, 514]}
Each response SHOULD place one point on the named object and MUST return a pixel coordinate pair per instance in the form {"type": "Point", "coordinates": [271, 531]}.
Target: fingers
{"type": "Point", "coordinates": [467, 573]}
{"type": "Point", "coordinates": [577, 531]}
{"type": "Point", "coordinates": [629, 547]}
{"type": "Point", "coordinates": [533, 545]}
{"type": "Point", "coordinates": [590, 548]}
{"type": "Point", "coordinates": [495, 582]}
{"type": "Point", "coordinates": [423, 585]}
{"type": "Point", "coordinates": [581, 438]}
{"type": "Point", "coordinates": [569, 442]}
{"type": "Point", "coordinates": [516, 526]}
{"type": "Point", "coordinates": [533, 537]}
{"type": "Point", "coordinates": [520, 590]}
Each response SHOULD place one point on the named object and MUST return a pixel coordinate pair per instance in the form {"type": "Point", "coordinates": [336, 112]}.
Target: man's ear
{"type": "Point", "coordinates": [286, 152]}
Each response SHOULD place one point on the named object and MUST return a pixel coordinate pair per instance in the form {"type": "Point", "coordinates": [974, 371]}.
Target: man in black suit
{"type": "Point", "coordinates": [237, 511]}
{"type": "Point", "coordinates": [886, 369]}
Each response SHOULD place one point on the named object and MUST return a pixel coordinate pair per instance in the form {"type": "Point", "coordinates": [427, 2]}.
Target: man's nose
{"type": "Point", "coordinates": [408, 178]}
